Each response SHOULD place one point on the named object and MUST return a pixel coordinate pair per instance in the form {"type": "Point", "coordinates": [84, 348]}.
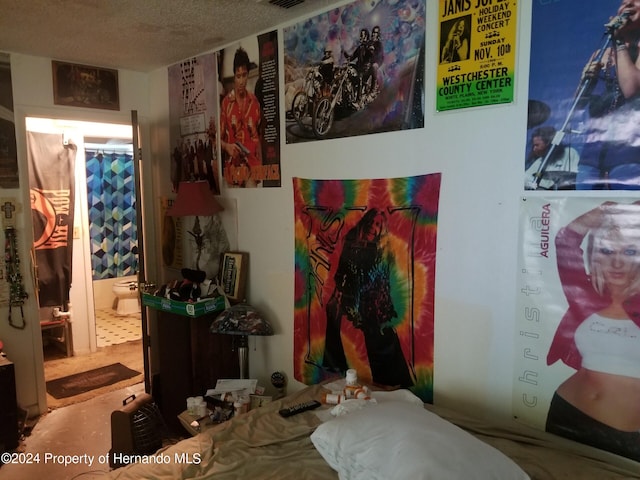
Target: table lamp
{"type": "Point", "coordinates": [195, 199]}
{"type": "Point", "coordinates": [241, 320]}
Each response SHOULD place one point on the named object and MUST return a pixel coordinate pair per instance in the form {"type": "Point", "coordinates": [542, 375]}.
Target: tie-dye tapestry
{"type": "Point", "coordinates": [364, 280]}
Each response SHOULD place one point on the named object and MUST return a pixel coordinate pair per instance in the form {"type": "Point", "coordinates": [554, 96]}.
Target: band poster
{"type": "Point", "coordinates": [577, 372]}
{"type": "Point", "coordinates": [193, 110]}
{"type": "Point", "coordinates": [355, 70]}
{"type": "Point", "coordinates": [365, 254]}
{"type": "Point", "coordinates": [582, 125]}
{"type": "Point", "coordinates": [250, 112]}
{"type": "Point", "coordinates": [52, 191]}
{"type": "Point", "coordinates": [476, 56]}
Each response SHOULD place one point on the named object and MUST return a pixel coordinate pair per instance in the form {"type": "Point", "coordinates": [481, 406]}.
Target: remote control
{"type": "Point", "coordinates": [299, 408]}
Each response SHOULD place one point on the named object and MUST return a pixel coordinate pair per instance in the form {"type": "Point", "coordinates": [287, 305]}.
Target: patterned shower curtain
{"type": "Point", "coordinates": [112, 214]}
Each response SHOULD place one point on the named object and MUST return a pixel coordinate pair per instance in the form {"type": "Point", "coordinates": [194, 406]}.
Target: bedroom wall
{"type": "Point", "coordinates": [480, 153]}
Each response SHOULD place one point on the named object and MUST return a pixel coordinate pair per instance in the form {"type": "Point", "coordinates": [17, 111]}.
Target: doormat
{"type": "Point", "coordinates": [90, 380]}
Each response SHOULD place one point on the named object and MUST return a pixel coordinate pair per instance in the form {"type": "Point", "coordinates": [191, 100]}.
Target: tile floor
{"type": "Point", "coordinates": [112, 329]}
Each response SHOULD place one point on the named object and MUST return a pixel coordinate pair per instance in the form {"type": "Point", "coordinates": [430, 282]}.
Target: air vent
{"type": "Point", "coordinates": [286, 3]}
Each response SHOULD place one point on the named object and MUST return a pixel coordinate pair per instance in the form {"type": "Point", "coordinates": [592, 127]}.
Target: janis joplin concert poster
{"type": "Point", "coordinates": [364, 280]}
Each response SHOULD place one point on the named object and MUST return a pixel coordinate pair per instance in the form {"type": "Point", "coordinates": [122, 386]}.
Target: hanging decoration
{"type": "Point", "coordinates": [364, 280]}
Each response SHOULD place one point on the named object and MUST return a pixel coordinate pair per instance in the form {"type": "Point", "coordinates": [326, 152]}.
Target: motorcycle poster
{"type": "Point", "coordinates": [476, 58]}
{"type": "Point", "coordinates": [355, 70]}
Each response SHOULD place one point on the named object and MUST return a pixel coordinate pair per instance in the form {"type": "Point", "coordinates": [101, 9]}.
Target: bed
{"type": "Point", "coordinates": [393, 436]}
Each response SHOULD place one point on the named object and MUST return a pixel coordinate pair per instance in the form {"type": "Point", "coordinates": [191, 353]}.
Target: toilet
{"type": "Point", "coordinates": [127, 296]}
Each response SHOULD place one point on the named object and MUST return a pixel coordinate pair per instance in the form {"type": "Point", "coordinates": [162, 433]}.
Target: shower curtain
{"type": "Point", "coordinates": [51, 182]}
{"type": "Point", "coordinates": [112, 214]}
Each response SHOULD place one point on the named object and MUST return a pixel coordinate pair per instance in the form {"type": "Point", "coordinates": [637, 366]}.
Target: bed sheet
{"type": "Point", "coordinates": [261, 444]}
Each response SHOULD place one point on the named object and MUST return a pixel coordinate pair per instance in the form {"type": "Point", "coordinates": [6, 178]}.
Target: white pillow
{"type": "Point", "coordinates": [398, 440]}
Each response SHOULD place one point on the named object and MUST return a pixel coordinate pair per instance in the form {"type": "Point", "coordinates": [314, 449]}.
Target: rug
{"type": "Point", "coordinates": [82, 382]}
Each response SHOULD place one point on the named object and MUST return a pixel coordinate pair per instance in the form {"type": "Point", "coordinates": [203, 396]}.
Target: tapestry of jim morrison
{"type": "Point", "coordinates": [51, 182]}
{"type": "Point", "coordinates": [365, 255]}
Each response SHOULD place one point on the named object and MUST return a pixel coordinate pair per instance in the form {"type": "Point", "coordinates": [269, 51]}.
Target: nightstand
{"type": "Point", "coordinates": [191, 360]}
{"type": "Point", "coordinates": [186, 418]}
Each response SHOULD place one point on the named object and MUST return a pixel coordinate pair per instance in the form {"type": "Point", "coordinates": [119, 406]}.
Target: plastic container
{"type": "Point", "coordinates": [191, 405]}
{"type": "Point", "coordinates": [351, 385]}
{"type": "Point", "coordinates": [240, 407]}
{"type": "Point", "coordinates": [333, 398]}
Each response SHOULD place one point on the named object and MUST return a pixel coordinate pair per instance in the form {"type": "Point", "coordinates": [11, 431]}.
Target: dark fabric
{"type": "Point", "coordinates": [52, 182]}
{"type": "Point", "coordinates": [567, 421]}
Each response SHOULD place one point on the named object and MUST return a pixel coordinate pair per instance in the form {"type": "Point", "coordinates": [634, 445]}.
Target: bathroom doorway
{"type": "Point", "coordinates": [104, 241]}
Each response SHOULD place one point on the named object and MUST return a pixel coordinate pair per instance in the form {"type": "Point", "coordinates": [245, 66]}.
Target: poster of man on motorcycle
{"type": "Point", "coordinates": [355, 70]}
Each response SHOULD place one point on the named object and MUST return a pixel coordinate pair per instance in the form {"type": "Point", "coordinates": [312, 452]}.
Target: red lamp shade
{"type": "Point", "coordinates": [194, 199]}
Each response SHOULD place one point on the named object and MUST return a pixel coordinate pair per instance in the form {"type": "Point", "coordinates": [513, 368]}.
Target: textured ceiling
{"type": "Point", "coordinates": [139, 35]}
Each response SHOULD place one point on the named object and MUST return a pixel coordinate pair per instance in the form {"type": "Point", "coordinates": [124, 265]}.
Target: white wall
{"type": "Point", "coordinates": [480, 153]}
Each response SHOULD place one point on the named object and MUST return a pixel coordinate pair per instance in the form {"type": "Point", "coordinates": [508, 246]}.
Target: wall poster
{"type": "Point", "coordinates": [577, 366]}
{"type": "Point", "coordinates": [582, 126]}
{"type": "Point", "coordinates": [355, 70]}
{"type": "Point", "coordinates": [477, 51]}
{"type": "Point", "coordinates": [250, 112]}
{"type": "Point", "coordinates": [193, 109]}
{"type": "Point", "coordinates": [364, 280]}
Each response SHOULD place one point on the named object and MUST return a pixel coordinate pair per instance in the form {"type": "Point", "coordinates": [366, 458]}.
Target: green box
{"type": "Point", "coordinates": [188, 309]}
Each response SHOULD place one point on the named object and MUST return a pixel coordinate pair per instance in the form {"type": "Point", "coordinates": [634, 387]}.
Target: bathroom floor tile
{"type": "Point", "coordinates": [112, 329]}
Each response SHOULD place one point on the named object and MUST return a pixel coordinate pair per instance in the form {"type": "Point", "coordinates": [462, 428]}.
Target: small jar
{"type": "Point", "coordinates": [333, 398]}
{"type": "Point", "coordinates": [191, 405]}
{"type": "Point", "coordinates": [362, 393]}
{"type": "Point", "coordinates": [240, 407]}
{"type": "Point", "coordinates": [201, 409]}
{"type": "Point", "coordinates": [351, 384]}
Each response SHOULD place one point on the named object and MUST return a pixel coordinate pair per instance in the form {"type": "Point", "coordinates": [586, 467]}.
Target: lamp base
{"type": "Point", "coordinates": [243, 356]}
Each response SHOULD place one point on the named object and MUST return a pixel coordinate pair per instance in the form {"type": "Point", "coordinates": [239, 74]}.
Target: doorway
{"type": "Point", "coordinates": [104, 250]}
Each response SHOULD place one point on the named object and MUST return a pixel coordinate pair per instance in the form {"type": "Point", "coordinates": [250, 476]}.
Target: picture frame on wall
{"type": "Point", "coordinates": [77, 85]}
{"type": "Point", "coordinates": [233, 274]}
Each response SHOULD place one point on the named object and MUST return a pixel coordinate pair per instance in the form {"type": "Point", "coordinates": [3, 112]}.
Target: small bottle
{"type": "Point", "coordinates": [351, 383]}
{"type": "Point", "coordinates": [191, 402]}
{"type": "Point", "coordinates": [362, 393]}
{"type": "Point", "coordinates": [333, 398]}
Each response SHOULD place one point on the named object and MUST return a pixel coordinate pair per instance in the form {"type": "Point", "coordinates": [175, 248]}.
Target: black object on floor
{"type": "Point", "coordinates": [90, 380]}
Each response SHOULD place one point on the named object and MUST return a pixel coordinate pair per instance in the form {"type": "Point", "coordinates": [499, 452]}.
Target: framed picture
{"type": "Point", "coordinates": [233, 274]}
{"type": "Point", "coordinates": [85, 86]}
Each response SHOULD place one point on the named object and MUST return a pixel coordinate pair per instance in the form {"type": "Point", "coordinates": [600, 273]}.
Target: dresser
{"type": "Point", "coordinates": [191, 360]}
{"type": "Point", "coordinates": [8, 406]}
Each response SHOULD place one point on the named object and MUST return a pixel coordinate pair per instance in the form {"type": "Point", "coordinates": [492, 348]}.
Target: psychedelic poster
{"type": "Point", "coordinates": [364, 280]}
{"type": "Point", "coordinates": [582, 124]}
{"type": "Point", "coordinates": [355, 70]}
{"type": "Point", "coordinates": [477, 51]}
{"type": "Point", "coordinates": [193, 109]}
{"type": "Point", "coordinates": [577, 325]}
{"type": "Point", "coordinates": [250, 113]}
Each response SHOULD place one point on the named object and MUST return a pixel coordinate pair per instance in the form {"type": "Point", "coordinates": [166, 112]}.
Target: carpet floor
{"type": "Point", "coordinates": [129, 354]}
